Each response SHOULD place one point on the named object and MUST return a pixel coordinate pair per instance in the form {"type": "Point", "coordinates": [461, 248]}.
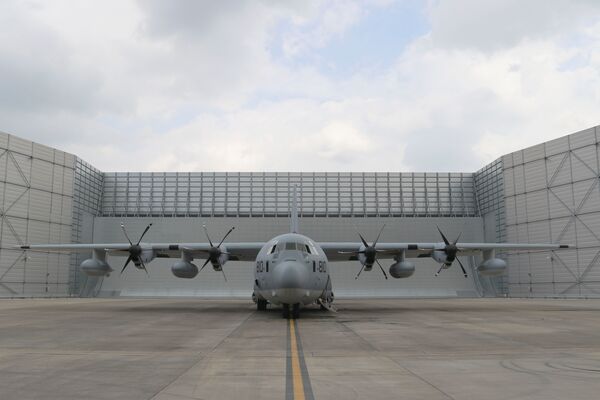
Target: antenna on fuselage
{"type": "Point", "coordinates": [294, 226]}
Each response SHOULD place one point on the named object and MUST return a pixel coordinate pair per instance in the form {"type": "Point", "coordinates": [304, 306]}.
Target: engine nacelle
{"type": "Point", "coordinates": [222, 260]}
{"type": "Point", "coordinates": [362, 259]}
{"type": "Point", "coordinates": [439, 256]}
{"type": "Point", "coordinates": [95, 267]}
{"type": "Point", "coordinates": [147, 255]}
{"type": "Point", "coordinates": [184, 269]}
{"type": "Point", "coordinates": [492, 267]}
{"type": "Point", "coordinates": [402, 269]}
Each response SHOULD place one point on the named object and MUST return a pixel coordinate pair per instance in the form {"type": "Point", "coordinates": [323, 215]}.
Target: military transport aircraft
{"type": "Point", "coordinates": [291, 270]}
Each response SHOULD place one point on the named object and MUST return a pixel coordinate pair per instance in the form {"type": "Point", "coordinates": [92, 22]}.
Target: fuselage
{"type": "Point", "coordinates": [292, 269]}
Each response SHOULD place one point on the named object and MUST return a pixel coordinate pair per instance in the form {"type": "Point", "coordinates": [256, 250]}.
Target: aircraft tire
{"type": "Point", "coordinates": [286, 311]}
{"type": "Point", "coordinates": [296, 311]}
{"type": "Point", "coordinates": [261, 304]}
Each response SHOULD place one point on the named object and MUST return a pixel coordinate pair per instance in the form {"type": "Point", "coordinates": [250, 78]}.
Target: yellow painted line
{"type": "Point", "coordinates": [296, 371]}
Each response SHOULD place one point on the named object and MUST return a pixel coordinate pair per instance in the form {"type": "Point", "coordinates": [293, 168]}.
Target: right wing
{"type": "Point", "coordinates": [239, 251]}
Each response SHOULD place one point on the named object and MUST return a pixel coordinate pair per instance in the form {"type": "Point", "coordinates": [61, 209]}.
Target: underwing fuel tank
{"type": "Point", "coordinates": [184, 269]}
{"type": "Point", "coordinates": [402, 269]}
{"type": "Point", "coordinates": [492, 267]}
{"type": "Point", "coordinates": [94, 267]}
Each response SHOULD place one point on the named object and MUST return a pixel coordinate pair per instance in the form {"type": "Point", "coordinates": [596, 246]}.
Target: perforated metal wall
{"type": "Point", "coordinates": [87, 204]}
{"type": "Point", "coordinates": [489, 194]}
{"type": "Point", "coordinates": [240, 194]}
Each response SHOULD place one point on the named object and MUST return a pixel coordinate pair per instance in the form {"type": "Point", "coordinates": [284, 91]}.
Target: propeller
{"type": "Point", "coordinates": [135, 250]}
{"type": "Point", "coordinates": [451, 251]}
{"type": "Point", "coordinates": [370, 253]}
{"type": "Point", "coordinates": [215, 252]}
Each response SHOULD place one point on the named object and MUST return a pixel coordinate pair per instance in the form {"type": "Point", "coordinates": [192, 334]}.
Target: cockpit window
{"type": "Point", "coordinates": [297, 246]}
{"type": "Point", "coordinates": [273, 249]}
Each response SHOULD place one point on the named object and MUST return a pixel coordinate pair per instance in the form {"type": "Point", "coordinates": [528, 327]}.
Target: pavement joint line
{"type": "Point", "coordinates": [419, 377]}
{"type": "Point", "coordinates": [297, 384]}
{"type": "Point", "coordinates": [203, 356]}
{"type": "Point", "coordinates": [375, 349]}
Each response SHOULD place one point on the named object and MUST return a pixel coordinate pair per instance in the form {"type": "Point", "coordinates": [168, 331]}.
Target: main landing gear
{"type": "Point", "coordinates": [261, 304]}
{"type": "Point", "coordinates": [291, 312]}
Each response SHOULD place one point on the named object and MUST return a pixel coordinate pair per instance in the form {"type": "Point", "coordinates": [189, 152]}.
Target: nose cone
{"type": "Point", "coordinates": [291, 275]}
{"type": "Point", "coordinates": [291, 280]}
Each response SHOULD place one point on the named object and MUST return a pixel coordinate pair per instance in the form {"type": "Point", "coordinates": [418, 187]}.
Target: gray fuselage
{"type": "Point", "coordinates": [292, 269]}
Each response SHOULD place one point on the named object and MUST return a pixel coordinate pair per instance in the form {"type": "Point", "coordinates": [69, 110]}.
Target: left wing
{"type": "Point", "coordinates": [349, 251]}
{"type": "Point", "coordinates": [444, 253]}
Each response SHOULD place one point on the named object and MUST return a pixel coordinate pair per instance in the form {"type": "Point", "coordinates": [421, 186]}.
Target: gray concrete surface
{"type": "Point", "coordinates": [380, 349]}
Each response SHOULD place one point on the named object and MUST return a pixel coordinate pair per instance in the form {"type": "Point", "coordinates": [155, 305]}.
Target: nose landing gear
{"type": "Point", "coordinates": [291, 312]}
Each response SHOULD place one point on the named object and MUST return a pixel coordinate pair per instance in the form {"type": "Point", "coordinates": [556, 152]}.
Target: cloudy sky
{"type": "Point", "coordinates": [370, 85]}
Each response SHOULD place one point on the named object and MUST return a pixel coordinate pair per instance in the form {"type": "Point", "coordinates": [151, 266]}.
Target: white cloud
{"type": "Point", "coordinates": [185, 86]}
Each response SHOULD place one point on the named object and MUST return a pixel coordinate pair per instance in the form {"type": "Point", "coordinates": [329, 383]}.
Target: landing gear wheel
{"type": "Point", "coordinates": [296, 311]}
{"type": "Point", "coordinates": [286, 311]}
{"type": "Point", "coordinates": [261, 304]}
{"type": "Point", "coordinates": [323, 308]}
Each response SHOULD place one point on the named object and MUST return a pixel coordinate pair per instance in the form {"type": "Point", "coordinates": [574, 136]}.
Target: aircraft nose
{"type": "Point", "coordinates": [291, 275]}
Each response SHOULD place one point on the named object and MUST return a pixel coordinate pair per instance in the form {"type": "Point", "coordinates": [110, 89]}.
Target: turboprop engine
{"type": "Point", "coordinates": [402, 269]}
{"type": "Point", "coordinates": [492, 267]}
{"type": "Point", "coordinates": [184, 269]}
{"type": "Point", "coordinates": [217, 255]}
{"type": "Point", "coordinates": [367, 254]}
{"type": "Point", "coordinates": [139, 253]}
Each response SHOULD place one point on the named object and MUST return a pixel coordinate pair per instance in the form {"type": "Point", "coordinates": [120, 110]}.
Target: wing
{"type": "Point", "coordinates": [238, 251]}
{"type": "Point", "coordinates": [346, 251]}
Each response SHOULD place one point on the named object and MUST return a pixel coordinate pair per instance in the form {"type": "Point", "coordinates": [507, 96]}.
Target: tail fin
{"type": "Point", "coordinates": [294, 228]}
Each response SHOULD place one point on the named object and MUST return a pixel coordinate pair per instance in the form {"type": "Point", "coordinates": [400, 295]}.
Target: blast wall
{"type": "Point", "coordinates": [552, 194]}
{"type": "Point", "coordinates": [36, 205]}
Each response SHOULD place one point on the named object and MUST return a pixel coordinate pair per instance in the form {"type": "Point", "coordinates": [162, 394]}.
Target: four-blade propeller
{"type": "Point", "coordinates": [369, 252]}
{"type": "Point", "coordinates": [451, 251]}
{"type": "Point", "coordinates": [215, 252]}
{"type": "Point", "coordinates": [135, 250]}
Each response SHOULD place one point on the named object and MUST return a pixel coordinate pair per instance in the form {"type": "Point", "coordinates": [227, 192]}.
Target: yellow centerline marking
{"type": "Point", "coordinates": [296, 371]}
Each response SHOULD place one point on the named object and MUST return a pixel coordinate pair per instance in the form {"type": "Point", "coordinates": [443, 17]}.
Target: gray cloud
{"type": "Point", "coordinates": [487, 25]}
{"type": "Point", "coordinates": [37, 70]}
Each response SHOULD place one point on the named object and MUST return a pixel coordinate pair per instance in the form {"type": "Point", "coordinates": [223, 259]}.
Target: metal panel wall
{"type": "Point", "coordinates": [36, 190]}
{"type": "Point", "coordinates": [552, 194]}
